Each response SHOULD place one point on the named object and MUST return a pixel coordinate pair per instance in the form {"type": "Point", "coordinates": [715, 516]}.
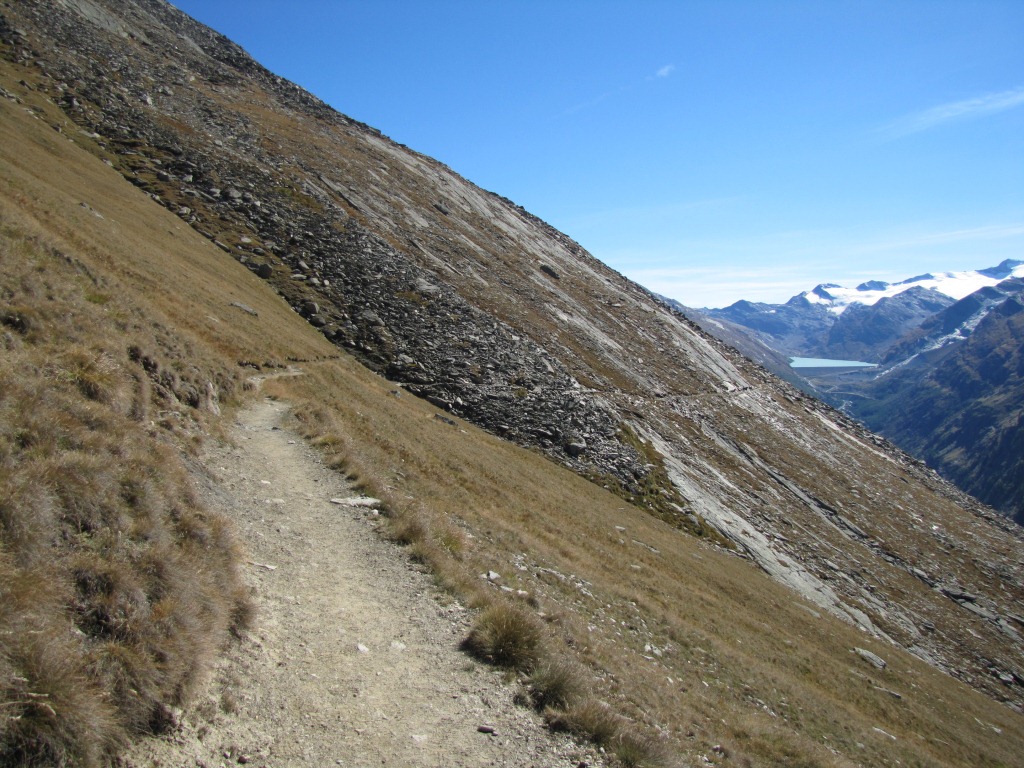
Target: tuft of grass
{"type": "Point", "coordinates": [636, 749]}
{"type": "Point", "coordinates": [408, 529]}
{"type": "Point", "coordinates": [557, 683]}
{"type": "Point", "coordinates": [590, 719]}
{"type": "Point", "coordinates": [596, 721]}
{"type": "Point", "coordinates": [506, 635]}
{"type": "Point", "coordinates": [52, 712]}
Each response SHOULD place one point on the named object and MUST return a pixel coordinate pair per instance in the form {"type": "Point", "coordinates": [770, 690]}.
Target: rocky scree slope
{"type": "Point", "coordinates": [468, 300]}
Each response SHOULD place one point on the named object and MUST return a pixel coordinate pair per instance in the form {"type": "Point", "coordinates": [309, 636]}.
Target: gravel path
{"type": "Point", "coordinates": [353, 660]}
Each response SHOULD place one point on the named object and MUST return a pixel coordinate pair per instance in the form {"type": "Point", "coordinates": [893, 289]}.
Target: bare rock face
{"type": "Point", "coordinates": [468, 301]}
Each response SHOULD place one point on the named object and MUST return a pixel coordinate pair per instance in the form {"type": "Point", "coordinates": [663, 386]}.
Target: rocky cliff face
{"type": "Point", "coordinates": [466, 299]}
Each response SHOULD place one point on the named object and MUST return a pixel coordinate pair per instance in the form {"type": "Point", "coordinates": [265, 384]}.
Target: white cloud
{"type": "Point", "coordinates": [930, 239]}
{"type": "Point", "coordinates": [591, 103]}
{"type": "Point", "coordinates": [979, 106]}
{"type": "Point", "coordinates": [721, 286]}
{"type": "Point", "coordinates": [717, 286]}
{"type": "Point", "coordinates": [665, 71]}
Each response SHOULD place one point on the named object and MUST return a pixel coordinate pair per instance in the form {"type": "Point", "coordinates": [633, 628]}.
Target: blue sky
{"type": "Point", "coordinates": [711, 151]}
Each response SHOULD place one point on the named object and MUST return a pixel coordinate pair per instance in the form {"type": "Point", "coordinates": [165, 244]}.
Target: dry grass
{"type": "Point", "coordinates": [557, 682]}
{"type": "Point", "coordinates": [111, 330]}
{"type": "Point", "coordinates": [597, 722]}
{"type": "Point", "coordinates": [506, 635]}
{"type": "Point", "coordinates": [590, 718]}
{"type": "Point", "coordinates": [117, 585]}
{"type": "Point", "coordinates": [141, 581]}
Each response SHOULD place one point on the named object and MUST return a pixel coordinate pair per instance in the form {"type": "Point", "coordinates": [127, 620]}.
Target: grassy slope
{"type": "Point", "coordinates": [694, 645]}
{"type": "Point", "coordinates": [118, 340]}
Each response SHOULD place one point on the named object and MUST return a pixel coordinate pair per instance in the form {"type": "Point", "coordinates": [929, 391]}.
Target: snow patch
{"type": "Point", "coordinates": [956, 285]}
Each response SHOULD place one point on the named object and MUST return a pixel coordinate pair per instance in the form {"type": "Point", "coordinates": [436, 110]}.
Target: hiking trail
{"type": "Point", "coordinates": [353, 659]}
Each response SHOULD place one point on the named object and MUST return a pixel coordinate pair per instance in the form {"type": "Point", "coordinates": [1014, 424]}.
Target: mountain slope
{"type": "Point", "coordinates": [866, 331]}
{"type": "Point", "coordinates": [924, 394]}
{"type": "Point", "coordinates": [489, 314]}
{"type": "Point", "coordinates": [472, 302]}
{"type": "Point", "coordinates": [959, 405]}
{"type": "Point", "coordinates": [791, 328]}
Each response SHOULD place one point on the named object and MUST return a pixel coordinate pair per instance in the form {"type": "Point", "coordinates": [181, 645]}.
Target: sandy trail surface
{"type": "Point", "coordinates": [354, 657]}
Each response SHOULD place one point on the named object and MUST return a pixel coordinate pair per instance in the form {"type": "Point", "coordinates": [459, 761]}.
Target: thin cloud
{"type": "Point", "coordinates": [708, 287]}
{"type": "Point", "coordinates": [591, 103]}
{"type": "Point", "coordinates": [926, 239]}
{"type": "Point", "coordinates": [979, 106]}
{"type": "Point", "coordinates": [664, 72]}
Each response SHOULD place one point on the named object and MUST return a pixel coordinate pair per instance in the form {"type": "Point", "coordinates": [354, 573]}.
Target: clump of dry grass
{"type": "Point", "coordinates": [52, 712]}
{"type": "Point", "coordinates": [591, 719]}
{"type": "Point", "coordinates": [557, 682]}
{"type": "Point", "coordinates": [433, 542]}
{"type": "Point", "coordinates": [597, 722]}
{"type": "Point", "coordinates": [636, 749]}
{"type": "Point", "coordinates": [506, 635]}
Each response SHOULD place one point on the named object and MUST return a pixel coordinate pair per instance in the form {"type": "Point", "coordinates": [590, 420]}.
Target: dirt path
{"type": "Point", "coordinates": [353, 660]}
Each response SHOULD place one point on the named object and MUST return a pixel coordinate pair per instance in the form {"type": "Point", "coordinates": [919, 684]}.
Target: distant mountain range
{"type": "Point", "coordinates": [955, 285]}
{"type": "Point", "coordinates": [947, 383]}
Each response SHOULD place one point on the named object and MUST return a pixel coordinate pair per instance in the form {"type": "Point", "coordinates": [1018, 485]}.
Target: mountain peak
{"type": "Point", "coordinates": [1003, 270]}
{"type": "Point", "coordinates": [955, 285]}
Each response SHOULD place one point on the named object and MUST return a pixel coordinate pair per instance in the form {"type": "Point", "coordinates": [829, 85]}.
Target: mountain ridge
{"type": "Point", "coordinates": [955, 285]}
{"type": "Point", "coordinates": [911, 336]}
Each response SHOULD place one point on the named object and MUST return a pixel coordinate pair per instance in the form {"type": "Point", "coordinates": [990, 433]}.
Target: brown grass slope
{"type": "Point", "coordinates": [353, 222]}
{"type": "Point", "coordinates": [118, 349]}
{"type": "Point", "coordinates": [116, 317]}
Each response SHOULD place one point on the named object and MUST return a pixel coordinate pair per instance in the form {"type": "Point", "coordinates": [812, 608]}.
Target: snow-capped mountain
{"type": "Point", "coordinates": [956, 285]}
{"type": "Point", "coordinates": [949, 350]}
{"type": "Point", "coordinates": [861, 323]}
